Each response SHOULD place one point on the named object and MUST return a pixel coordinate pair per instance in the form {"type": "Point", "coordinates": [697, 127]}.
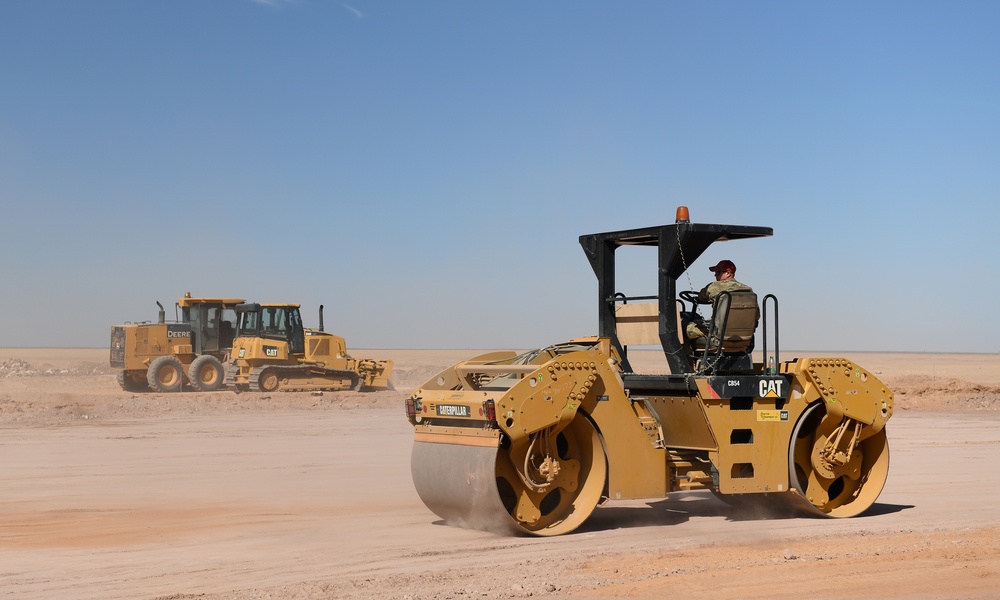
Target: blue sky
{"type": "Point", "coordinates": [424, 169]}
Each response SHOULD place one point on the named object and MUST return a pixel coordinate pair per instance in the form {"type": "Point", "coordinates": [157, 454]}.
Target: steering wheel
{"type": "Point", "coordinates": [689, 296]}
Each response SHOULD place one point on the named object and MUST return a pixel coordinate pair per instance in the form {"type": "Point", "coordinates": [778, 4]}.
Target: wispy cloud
{"type": "Point", "coordinates": [282, 3]}
{"type": "Point", "coordinates": [357, 13]}
{"type": "Point", "coordinates": [274, 3]}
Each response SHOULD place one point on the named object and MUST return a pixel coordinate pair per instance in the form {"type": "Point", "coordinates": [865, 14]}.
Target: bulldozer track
{"type": "Point", "coordinates": [301, 378]}
{"type": "Point", "coordinates": [231, 373]}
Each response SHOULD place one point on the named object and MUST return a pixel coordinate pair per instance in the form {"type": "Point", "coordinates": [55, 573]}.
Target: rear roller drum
{"type": "Point", "coordinates": [836, 469]}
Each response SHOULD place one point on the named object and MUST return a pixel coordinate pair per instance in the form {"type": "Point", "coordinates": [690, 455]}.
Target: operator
{"type": "Point", "coordinates": [725, 281]}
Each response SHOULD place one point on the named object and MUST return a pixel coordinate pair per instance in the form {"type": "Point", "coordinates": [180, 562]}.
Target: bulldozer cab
{"type": "Point", "coordinates": [655, 319]}
{"type": "Point", "coordinates": [280, 322]}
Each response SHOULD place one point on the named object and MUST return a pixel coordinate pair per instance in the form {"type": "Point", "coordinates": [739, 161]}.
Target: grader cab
{"type": "Point", "coordinates": [531, 443]}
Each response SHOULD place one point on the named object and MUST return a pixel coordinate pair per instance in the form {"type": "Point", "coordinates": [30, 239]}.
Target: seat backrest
{"type": "Point", "coordinates": [741, 323]}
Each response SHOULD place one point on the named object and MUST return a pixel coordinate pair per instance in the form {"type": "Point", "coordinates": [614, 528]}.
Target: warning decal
{"type": "Point", "coordinates": [772, 416]}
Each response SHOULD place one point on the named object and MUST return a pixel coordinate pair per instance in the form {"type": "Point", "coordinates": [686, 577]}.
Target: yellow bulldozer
{"type": "Point", "coordinates": [163, 356]}
{"type": "Point", "coordinates": [531, 443]}
{"type": "Point", "coordinates": [273, 352]}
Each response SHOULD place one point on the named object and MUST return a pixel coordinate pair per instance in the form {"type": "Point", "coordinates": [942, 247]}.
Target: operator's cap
{"type": "Point", "coordinates": [724, 265]}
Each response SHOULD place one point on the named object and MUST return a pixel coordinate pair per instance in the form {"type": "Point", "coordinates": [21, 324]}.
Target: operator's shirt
{"type": "Point", "coordinates": [709, 292]}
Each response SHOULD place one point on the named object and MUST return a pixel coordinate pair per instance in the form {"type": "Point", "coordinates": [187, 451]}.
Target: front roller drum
{"type": "Point", "coordinates": [485, 487]}
{"type": "Point", "coordinates": [844, 488]}
{"type": "Point", "coordinates": [458, 484]}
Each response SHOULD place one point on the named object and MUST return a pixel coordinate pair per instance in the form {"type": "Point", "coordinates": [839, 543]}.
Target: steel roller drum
{"type": "Point", "coordinates": [458, 484]}
{"type": "Point", "coordinates": [478, 486]}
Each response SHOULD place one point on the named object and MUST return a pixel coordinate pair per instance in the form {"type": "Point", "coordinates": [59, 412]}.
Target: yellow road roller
{"type": "Point", "coordinates": [531, 442]}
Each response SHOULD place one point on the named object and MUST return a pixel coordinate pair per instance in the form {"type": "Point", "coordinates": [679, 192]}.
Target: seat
{"type": "Point", "coordinates": [734, 320]}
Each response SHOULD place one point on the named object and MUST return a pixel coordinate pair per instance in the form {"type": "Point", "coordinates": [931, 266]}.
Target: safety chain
{"type": "Point", "coordinates": [694, 307]}
{"type": "Point", "coordinates": [680, 250]}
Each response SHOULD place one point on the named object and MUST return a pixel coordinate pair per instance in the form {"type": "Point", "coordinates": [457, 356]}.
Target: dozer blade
{"type": "Point", "coordinates": [458, 484]}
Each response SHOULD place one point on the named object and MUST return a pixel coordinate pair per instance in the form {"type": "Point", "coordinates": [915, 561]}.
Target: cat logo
{"type": "Point", "coordinates": [270, 351]}
{"type": "Point", "coordinates": [770, 388]}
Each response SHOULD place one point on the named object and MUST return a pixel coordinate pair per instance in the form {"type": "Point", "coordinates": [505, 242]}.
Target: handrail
{"type": "Point", "coordinates": [770, 366]}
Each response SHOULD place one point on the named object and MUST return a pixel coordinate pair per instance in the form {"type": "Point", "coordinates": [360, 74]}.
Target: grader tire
{"type": "Point", "coordinates": [165, 374]}
{"type": "Point", "coordinates": [129, 384]}
{"type": "Point", "coordinates": [206, 373]}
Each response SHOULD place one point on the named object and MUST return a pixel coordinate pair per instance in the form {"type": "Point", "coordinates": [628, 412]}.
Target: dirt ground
{"type": "Point", "coordinates": [106, 494]}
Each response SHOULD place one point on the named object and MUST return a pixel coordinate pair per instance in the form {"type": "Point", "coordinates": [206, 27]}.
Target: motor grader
{"type": "Point", "coordinates": [273, 352]}
{"type": "Point", "coordinates": [161, 356]}
{"type": "Point", "coordinates": [531, 443]}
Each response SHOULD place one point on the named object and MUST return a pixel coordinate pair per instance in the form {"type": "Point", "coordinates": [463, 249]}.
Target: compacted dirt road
{"type": "Point", "coordinates": [106, 494]}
